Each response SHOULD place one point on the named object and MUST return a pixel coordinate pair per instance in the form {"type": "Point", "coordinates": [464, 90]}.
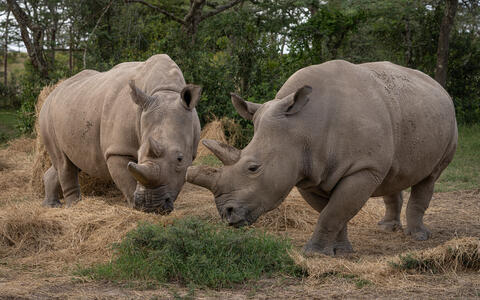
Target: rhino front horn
{"type": "Point", "coordinates": [139, 172]}
{"type": "Point", "coordinates": [203, 176]}
{"type": "Point", "coordinates": [227, 154]}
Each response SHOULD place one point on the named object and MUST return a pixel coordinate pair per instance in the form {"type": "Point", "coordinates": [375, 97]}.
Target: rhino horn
{"type": "Point", "coordinates": [140, 172]}
{"type": "Point", "coordinates": [227, 154]}
{"type": "Point", "coordinates": [204, 176]}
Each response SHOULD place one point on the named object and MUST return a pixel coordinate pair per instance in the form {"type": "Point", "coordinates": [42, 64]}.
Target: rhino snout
{"type": "Point", "coordinates": [154, 200]}
{"type": "Point", "coordinates": [235, 216]}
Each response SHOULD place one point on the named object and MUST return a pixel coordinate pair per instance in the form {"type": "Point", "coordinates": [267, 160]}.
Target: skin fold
{"type": "Point", "coordinates": [340, 133]}
{"type": "Point", "coordinates": [135, 124]}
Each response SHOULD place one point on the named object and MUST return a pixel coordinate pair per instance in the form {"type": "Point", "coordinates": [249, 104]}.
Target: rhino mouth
{"type": "Point", "coordinates": [156, 200]}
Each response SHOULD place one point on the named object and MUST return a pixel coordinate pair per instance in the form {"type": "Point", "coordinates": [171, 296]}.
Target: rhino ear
{"type": "Point", "coordinates": [244, 108]}
{"type": "Point", "coordinates": [293, 103]}
{"type": "Point", "coordinates": [138, 96]}
{"type": "Point", "coordinates": [190, 96]}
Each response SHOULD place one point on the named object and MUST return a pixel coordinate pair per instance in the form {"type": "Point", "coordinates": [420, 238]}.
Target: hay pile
{"type": "Point", "coordinates": [455, 255]}
{"type": "Point", "coordinates": [293, 213]}
{"type": "Point", "coordinates": [88, 185]}
{"type": "Point", "coordinates": [55, 237]}
{"type": "Point", "coordinates": [3, 165]}
{"type": "Point", "coordinates": [215, 130]}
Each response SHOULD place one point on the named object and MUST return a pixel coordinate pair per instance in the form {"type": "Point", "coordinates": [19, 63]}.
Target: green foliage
{"type": "Point", "coordinates": [463, 173]}
{"type": "Point", "coordinates": [192, 251]}
{"type": "Point", "coordinates": [254, 47]}
{"type": "Point", "coordinates": [8, 124]}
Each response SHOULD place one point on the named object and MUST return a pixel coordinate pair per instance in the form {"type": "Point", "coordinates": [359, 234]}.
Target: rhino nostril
{"type": "Point", "coordinates": [229, 211]}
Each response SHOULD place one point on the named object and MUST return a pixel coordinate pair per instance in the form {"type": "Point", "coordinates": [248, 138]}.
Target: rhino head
{"type": "Point", "coordinates": [168, 127]}
{"type": "Point", "coordinates": [257, 179]}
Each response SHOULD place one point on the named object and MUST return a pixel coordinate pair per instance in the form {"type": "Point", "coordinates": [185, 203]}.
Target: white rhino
{"type": "Point", "coordinates": [340, 133]}
{"type": "Point", "coordinates": [135, 124]}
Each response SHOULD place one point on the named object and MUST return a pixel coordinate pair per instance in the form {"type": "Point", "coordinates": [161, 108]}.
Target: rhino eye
{"type": "Point", "coordinates": [253, 168]}
{"type": "Point", "coordinates": [180, 158]}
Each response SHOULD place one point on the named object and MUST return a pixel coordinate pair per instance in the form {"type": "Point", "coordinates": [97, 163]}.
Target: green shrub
{"type": "Point", "coordinates": [192, 251]}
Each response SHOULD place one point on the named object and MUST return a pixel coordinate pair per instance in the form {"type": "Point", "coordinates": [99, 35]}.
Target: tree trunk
{"type": "Point", "coordinates": [443, 41]}
{"type": "Point", "coordinates": [70, 52]}
{"type": "Point", "coordinates": [33, 41]}
{"type": "Point", "coordinates": [5, 51]}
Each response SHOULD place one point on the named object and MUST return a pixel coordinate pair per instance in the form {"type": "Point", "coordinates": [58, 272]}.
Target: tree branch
{"type": "Point", "coordinates": [166, 13]}
{"type": "Point", "coordinates": [220, 9]}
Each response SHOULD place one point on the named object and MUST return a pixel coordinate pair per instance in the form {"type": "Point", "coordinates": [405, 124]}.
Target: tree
{"type": "Point", "coordinates": [33, 41]}
{"type": "Point", "coordinates": [443, 41]}
{"type": "Point", "coordinates": [195, 15]}
{"type": "Point", "coordinates": [5, 50]}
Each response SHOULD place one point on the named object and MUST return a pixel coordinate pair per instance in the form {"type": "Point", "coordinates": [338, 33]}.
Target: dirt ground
{"type": "Point", "coordinates": [41, 248]}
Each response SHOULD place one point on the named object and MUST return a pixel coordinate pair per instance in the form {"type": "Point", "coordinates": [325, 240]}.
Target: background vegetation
{"type": "Point", "coordinates": [246, 46]}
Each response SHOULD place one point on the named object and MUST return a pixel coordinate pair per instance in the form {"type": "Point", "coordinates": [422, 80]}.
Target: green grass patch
{"type": "Point", "coordinates": [193, 251]}
{"type": "Point", "coordinates": [8, 125]}
{"type": "Point", "coordinates": [463, 173]}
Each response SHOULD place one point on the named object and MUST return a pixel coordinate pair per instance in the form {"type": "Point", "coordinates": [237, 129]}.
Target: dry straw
{"type": "Point", "coordinates": [215, 130]}
{"type": "Point", "coordinates": [454, 255]}
{"type": "Point", "coordinates": [89, 185]}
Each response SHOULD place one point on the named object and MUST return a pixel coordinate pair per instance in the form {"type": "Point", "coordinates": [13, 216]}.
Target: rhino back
{"type": "Point", "coordinates": [394, 120]}
{"type": "Point", "coordinates": [91, 115]}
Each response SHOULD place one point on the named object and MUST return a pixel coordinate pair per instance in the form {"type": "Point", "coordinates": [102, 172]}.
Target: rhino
{"type": "Point", "coordinates": [340, 133]}
{"type": "Point", "coordinates": [135, 124]}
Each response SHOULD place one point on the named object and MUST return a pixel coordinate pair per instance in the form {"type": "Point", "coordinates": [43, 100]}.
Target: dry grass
{"type": "Point", "coordinates": [35, 241]}
{"type": "Point", "coordinates": [458, 254]}
{"type": "Point", "coordinates": [215, 130]}
{"type": "Point", "coordinates": [89, 185]}
{"type": "Point", "coordinates": [293, 213]}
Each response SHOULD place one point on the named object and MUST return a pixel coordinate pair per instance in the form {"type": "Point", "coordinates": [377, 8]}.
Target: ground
{"type": "Point", "coordinates": [41, 248]}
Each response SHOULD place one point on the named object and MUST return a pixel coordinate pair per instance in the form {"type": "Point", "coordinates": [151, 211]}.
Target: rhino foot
{"type": "Point", "coordinates": [419, 233]}
{"type": "Point", "coordinates": [390, 226]}
{"type": "Point", "coordinates": [312, 249]}
{"type": "Point", "coordinates": [51, 203]}
{"type": "Point", "coordinates": [71, 201]}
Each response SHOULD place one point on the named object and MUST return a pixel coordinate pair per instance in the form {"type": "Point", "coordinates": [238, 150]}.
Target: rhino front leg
{"type": "Point", "coordinates": [393, 207]}
{"type": "Point", "coordinates": [52, 188]}
{"type": "Point", "coordinates": [117, 166]}
{"type": "Point", "coordinates": [347, 199]}
{"type": "Point", "coordinates": [418, 203]}
{"type": "Point", "coordinates": [317, 202]}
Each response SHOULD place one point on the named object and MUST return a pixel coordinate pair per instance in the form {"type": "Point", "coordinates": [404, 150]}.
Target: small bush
{"type": "Point", "coordinates": [192, 251]}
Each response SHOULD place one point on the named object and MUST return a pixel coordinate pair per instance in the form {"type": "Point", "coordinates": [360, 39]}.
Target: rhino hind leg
{"type": "Point", "coordinates": [68, 178]}
{"type": "Point", "coordinates": [418, 203]}
{"type": "Point", "coordinates": [393, 207]}
{"type": "Point", "coordinates": [348, 197]}
{"type": "Point", "coordinates": [52, 188]}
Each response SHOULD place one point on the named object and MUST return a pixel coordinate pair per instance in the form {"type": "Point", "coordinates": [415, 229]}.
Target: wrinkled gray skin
{"type": "Point", "coordinates": [135, 124]}
{"type": "Point", "coordinates": [340, 133]}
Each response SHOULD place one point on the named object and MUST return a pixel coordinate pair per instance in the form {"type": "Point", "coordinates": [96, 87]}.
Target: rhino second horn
{"type": "Point", "coordinates": [139, 172]}
{"type": "Point", "coordinates": [203, 176]}
{"type": "Point", "coordinates": [227, 154]}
